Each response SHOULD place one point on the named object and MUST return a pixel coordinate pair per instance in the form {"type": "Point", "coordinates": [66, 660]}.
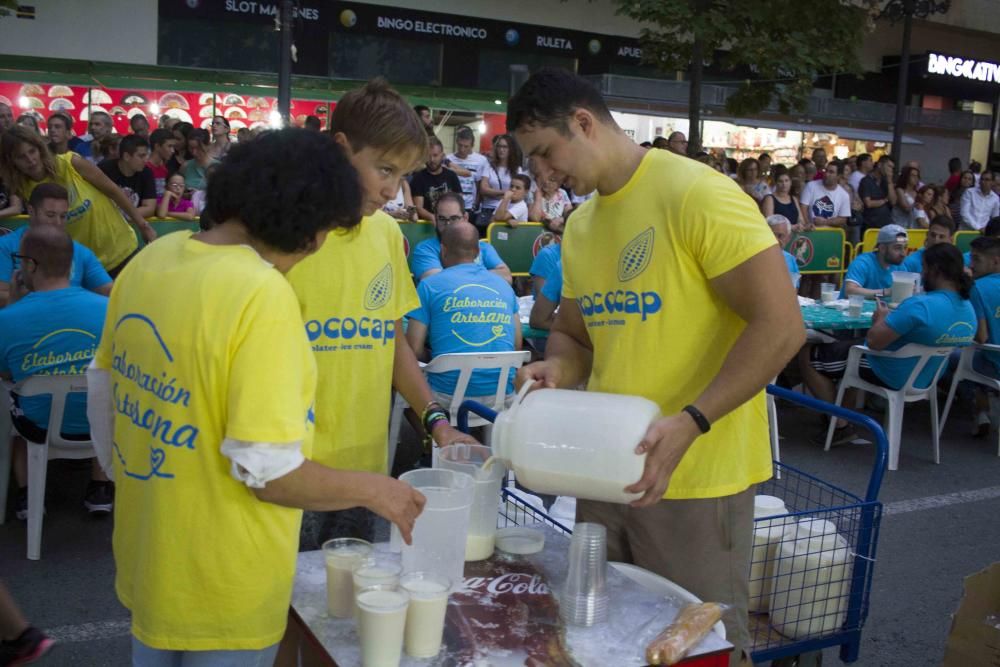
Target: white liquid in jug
{"type": "Point", "coordinates": [381, 622]}
{"type": "Point", "coordinates": [767, 537]}
{"type": "Point", "coordinates": [425, 618]}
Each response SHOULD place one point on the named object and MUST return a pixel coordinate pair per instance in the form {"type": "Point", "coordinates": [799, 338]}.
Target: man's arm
{"type": "Point", "coordinates": [502, 214]}
{"type": "Point", "coordinates": [104, 290]}
{"type": "Point", "coordinates": [99, 180]}
{"type": "Point", "coordinates": [518, 335]}
{"type": "Point", "coordinates": [851, 287]}
{"type": "Point", "coordinates": [416, 337]}
{"type": "Point", "coordinates": [147, 208]}
{"type": "Point", "coordinates": [836, 221]}
{"type": "Point", "coordinates": [983, 332]}
{"type": "Point", "coordinates": [758, 290]}
{"type": "Point", "coordinates": [504, 272]}
{"type": "Point", "coordinates": [423, 213]}
{"type": "Point", "coordinates": [543, 313]}
{"type": "Point", "coordinates": [881, 335]}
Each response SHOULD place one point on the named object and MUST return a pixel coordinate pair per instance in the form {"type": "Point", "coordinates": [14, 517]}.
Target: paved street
{"type": "Point", "coordinates": [940, 525]}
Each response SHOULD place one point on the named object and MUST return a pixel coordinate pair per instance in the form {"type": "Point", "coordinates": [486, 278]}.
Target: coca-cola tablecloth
{"type": "Point", "coordinates": [507, 614]}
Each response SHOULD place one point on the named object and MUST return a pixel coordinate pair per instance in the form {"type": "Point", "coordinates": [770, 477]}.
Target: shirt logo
{"type": "Point", "coordinates": [823, 207]}
{"type": "Point", "coordinates": [635, 256]}
{"type": "Point", "coordinates": [379, 289]}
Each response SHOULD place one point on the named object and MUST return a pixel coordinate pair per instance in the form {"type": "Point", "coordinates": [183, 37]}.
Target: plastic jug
{"type": "Point", "coordinates": [767, 537]}
{"type": "Point", "coordinates": [575, 443]}
{"type": "Point", "coordinates": [439, 532]}
{"type": "Point", "coordinates": [469, 459]}
{"type": "Point", "coordinates": [812, 581]}
{"type": "Point", "coordinates": [904, 284]}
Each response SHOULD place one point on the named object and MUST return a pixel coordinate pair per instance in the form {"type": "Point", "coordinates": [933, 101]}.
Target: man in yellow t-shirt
{"type": "Point", "coordinates": [354, 292]}
{"type": "Point", "coordinates": [673, 289]}
{"type": "Point", "coordinates": [200, 406]}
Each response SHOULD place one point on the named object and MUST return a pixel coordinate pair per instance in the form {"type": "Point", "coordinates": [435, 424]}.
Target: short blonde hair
{"type": "Point", "coordinates": [376, 116]}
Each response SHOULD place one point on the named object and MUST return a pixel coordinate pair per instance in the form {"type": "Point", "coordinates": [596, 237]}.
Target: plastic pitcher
{"type": "Point", "coordinates": [469, 459]}
{"type": "Point", "coordinates": [439, 532]}
{"type": "Point", "coordinates": [575, 443]}
{"type": "Point", "coordinates": [904, 284]}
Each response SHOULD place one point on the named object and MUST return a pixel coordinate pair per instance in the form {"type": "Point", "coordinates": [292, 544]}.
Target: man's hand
{"type": "Point", "coordinates": [545, 374]}
{"type": "Point", "coordinates": [147, 231]}
{"type": "Point", "coordinates": [397, 502]}
{"type": "Point", "coordinates": [665, 444]}
{"type": "Point", "coordinates": [881, 311]}
{"type": "Point", "coordinates": [445, 434]}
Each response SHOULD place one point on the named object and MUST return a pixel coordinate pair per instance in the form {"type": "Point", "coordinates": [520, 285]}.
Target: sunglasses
{"type": "Point", "coordinates": [19, 256]}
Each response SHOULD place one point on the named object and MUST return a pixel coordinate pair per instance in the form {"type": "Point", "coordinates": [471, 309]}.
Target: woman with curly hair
{"type": "Point", "coordinates": [94, 218]}
{"type": "Point", "coordinates": [200, 403]}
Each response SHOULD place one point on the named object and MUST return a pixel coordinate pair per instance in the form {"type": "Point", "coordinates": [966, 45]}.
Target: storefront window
{"type": "Point", "coordinates": [401, 61]}
{"type": "Point", "coordinates": [494, 65]}
{"type": "Point", "coordinates": [250, 47]}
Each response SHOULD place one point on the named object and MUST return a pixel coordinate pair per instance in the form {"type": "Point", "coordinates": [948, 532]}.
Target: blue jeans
{"type": "Point", "coordinates": [146, 656]}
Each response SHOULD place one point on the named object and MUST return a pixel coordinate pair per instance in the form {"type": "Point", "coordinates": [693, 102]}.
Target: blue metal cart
{"type": "Point", "coordinates": [807, 595]}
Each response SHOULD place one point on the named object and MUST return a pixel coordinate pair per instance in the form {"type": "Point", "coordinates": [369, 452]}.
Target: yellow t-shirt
{"type": "Point", "coordinates": [203, 343]}
{"type": "Point", "coordinates": [93, 219]}
{"type": "Point", "coordinates": [638, 263]}
{"type": "Point", "coordinates": [352, 292]}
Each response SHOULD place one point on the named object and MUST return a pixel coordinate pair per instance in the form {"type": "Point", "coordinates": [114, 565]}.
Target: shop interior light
{"type": "Point", "coordinates": [497, 102]}
{"type": "Point", "coordinates": [154, 109]}
{"type": "Point", "coordinates": [23, 102]}
{"type": "Point", "coordinates": [275, 119]}
{"type": "Point", "coordinates": [482, 127]}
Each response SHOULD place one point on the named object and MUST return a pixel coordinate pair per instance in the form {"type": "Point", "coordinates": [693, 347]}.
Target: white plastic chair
{"type": "Point", "coordinates": [54, 447]}
{"type": "Point", "coordinates": [965, 371]}
{"type": "Point", "coordinates": [6, 433]}
{"type": "Point", "coordinates": [465, 363]}
{"type": "Point", "coordinates": [897, 398]}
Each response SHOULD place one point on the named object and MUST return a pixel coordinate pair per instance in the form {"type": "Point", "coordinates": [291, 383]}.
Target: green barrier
{"type": "Point", "coordinates": [413, 234]}
{"type": "Point", "coordinates": [517, 246]}
{"type": "Point", "coordinates": [13, 223]}
{"type": "Point", "coordinates": [163, 227]}
{"type": "Point", "coordinates": [819, 251]}
{"type": "Point", "coordinates": [963, 240]}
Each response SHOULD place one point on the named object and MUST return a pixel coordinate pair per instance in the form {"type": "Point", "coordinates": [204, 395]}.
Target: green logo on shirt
{"type": "Point", "coordinates": [635, 256]}
{"type": "Point", "coordinates": [379, 289]}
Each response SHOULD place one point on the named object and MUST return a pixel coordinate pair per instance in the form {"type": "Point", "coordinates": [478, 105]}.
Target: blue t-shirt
{"type": "Point", "coordinates": [427, 256]}
{"type": "Point", "coordinates": [793, 267]}
{"type": "Point", "coordinates": [467, 309]}
{"type": "Point", "coordinates": [85, 272]}
{"type": "Point", "coordinates": [939, 319]}
{"type": "Point", "coordinates": [52, 333]}
{"type": "Point", "coordinates": [552, 289]}
{"type": "Point", "coordinates": [914, 262]}
{"type": "Point", "coordinates": [967, 256]}
{"type": "Point", "coordinates": [868, 273]}
{"type": "Point", "coordinates": [985, 301]}
{"type": "Point", "coordinates": [545, 259]}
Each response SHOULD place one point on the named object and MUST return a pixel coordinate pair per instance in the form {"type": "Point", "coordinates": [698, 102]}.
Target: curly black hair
{"type": "Point", "coordinates": [285, 187]}
{"type": "Point", "coordinates": [550, 97]}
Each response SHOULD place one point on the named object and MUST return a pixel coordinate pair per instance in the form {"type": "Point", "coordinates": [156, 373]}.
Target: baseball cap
{"type": "Point", "coordinates": [890, 234]}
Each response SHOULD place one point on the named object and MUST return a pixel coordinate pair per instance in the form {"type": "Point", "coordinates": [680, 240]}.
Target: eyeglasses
{"type": "Point", "coordinates": [449, 220]}
{"type": "Point", "coordinates": [18, 256]}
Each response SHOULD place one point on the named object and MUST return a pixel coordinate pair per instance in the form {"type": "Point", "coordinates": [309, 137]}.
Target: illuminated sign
{"type": "Point", "coordinates": [963, 68]}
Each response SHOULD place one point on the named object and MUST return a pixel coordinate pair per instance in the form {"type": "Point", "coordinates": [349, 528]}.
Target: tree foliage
{"type": "Point", "coordinates": [787, 44]}
{"type": "Point", "coordinates": [7, 7]}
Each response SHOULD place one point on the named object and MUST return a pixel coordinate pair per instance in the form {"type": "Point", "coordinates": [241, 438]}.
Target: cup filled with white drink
{"type": "Point", "coordinates": [425, 615]}
{"type": "Point", "coordinates": [341, 556]}
{"type": "Point", "coordinates": [381, 624]}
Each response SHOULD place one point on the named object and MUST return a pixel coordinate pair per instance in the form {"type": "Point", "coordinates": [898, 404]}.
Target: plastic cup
{"type": "Point", "coordinates": [584, 599]}
{"type": "Point", "coordinates": [856, 303]}
{"type": "Point", "coordinates": [827, 292]}
{"type": "Point", "coordinates": [376, 570]}
{"type": "Point", "coordinates": [381, 624]}
{"type": "Point", "coordinates": [341, 555]}
{"type": "Point", "coordinates": [481, 540]}
{"type": "Point", "coordinates": [425, 616]}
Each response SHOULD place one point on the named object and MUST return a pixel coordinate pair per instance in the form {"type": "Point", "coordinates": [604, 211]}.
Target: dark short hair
{"type": "Point", "coordinates": [975, 167]}
{"type": "Point", "coordinates": [199, 135]}
{"type": "Point", "coordinates": [420, 108]}
{"type": "Point", "coordinates": [954, 164]}
{"type": "Point", "coordinates": [434, 141]}
{"type": "Point", "coordinates": [159, 136]}
{"type": "Point", "coordinates": [133, 119]}
{"type": "Point", "coordinates": [763, 155]}
{"type": "Point", "coordinates": [864, 157]}
{"type": "Point", "coordinates": [184, 127]}
{"type": "Point", "coordinates": [285, 187]}
{"type": "Point", "coordinates": [524, 178]}
{"type": "Point", "coordinates": [992, 227]}
{"type": "Point", "coordinates": [550, 96]}
{"type": "Point", "coordinates": [836, 164]}
{"type": "Point", "coordinates": [312, 122]}
{"type": "Point", "coordinates": [465, 134]}
{"type": "Point", "coordinates": [131, 143]}
{"type": "Point", "coordinates": [885, 158]}
{"type": "Point", "coordinates": [804, 161]}
{"type": "Point", "coordinates": [661, 142]}
{"type": "Point", "coordinates": [51, 247]}
{"type": "Point", "coordinates": [986, 245]}
{"type": "Point", "coordinates": [947, 260]}
{"type": "Point", "coordinates": [45, 191]}
{"type": "Point", "coordinates": [452, 197]}
{"type": "Point", "coordinates": [64, 117]}
{"type": "Point", "coordinates": [943, 221]}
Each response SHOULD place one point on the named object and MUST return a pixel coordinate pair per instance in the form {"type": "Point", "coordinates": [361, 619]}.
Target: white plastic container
{"type": "Point", "coordinates": [812, 581]}
{"type": "Point", "coordinates": [575, 443]}
{"type": "Point", "coordinates": [767, 536]}
{"type": "Point", "coordinates": [904, 284]}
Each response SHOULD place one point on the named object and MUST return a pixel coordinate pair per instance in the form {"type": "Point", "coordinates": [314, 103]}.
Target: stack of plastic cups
{"type": "Point", "coordinates": [584, 599]}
